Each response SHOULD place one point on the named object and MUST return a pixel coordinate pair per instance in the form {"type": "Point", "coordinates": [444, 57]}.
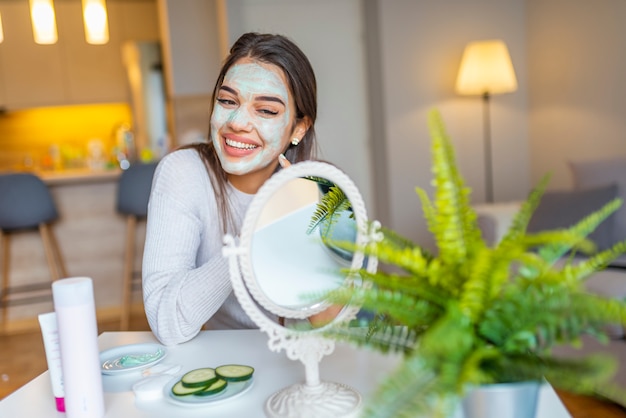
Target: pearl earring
{"type": "Point", "coordinates": [295, 141]}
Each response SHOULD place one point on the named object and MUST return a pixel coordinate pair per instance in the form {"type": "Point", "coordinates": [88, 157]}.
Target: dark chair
{"type": "Point", "coordinates": [26, 203]}
{"type": "Point", "coordinates": [133, 193]}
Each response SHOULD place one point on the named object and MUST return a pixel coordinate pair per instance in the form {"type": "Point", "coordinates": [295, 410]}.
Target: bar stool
{"type": "Point", "coordinates": [26, 203]}
{"type": "Point", "coordinates": [133, 193]}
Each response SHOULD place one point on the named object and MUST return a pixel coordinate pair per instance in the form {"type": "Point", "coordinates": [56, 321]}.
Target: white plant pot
{"type": "Point", "coordinates": [502, 400]}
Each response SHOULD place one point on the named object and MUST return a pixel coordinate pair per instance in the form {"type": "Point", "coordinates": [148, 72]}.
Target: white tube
{"type": "Point", "coordinates": [50, 333]}
{"type": "Point", "coordinates": [78, 334]}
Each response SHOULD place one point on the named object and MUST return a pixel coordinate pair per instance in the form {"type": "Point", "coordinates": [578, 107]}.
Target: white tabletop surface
{"type": "Point", "coordinates": [361, 369]}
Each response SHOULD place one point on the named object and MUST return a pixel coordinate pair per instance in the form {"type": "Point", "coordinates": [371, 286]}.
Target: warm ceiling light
{"type": "Point", "coordinates": [95, 19]}
{"type": "Point", "coordinates": [44, 23]}
{"type": "Point", "coordinates": [486, 68]}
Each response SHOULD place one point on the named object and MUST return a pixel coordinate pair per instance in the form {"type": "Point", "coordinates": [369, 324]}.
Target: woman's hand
{"type": "Point", "coordinates": [325, 317]}
{"type": "Point", "coordinates": [283, 161]}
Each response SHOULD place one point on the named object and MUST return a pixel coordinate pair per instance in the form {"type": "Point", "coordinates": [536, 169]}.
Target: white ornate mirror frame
{"type": "Point", "coordinates": [313, 398]}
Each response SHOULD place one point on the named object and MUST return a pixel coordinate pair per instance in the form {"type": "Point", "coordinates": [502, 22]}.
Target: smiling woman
{"type": "Point", "coordinates": [264, 106]}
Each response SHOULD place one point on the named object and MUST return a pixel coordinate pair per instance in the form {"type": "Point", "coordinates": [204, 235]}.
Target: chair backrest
{"type": "Point", "coordinates": [133, 190]}
{"type": "Point", "coordinates": [25, 202]}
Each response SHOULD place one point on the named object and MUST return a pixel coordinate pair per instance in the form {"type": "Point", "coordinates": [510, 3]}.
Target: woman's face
{"type": "Point", "coordinates": [253, 122]}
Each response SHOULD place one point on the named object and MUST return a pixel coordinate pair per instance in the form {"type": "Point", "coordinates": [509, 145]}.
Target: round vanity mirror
{"type": "Point", "coordinates": [289, 254]}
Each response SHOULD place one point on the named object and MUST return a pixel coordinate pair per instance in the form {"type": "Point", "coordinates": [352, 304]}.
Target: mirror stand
{"type": "Point", "coordinates": [314, 398]}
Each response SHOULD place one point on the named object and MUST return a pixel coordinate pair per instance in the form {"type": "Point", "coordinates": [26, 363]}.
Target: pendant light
{"type": "Point", "coordinates": [95, 20]}
{"type": "Point", "coordinates": [44, 23]}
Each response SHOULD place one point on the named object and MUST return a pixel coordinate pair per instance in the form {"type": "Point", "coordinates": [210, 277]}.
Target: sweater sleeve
{"type": "Point", "coordinates": [179, 295]}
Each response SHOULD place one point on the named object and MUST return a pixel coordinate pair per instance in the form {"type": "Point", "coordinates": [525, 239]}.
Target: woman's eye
{"type": "Point", "coordinates": [226, 102]}
{"type": "Point", "coordinates": [268, 112]}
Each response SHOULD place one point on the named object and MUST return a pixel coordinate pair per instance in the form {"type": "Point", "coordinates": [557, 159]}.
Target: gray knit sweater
{"type": "Point", "coordinates": [186, 279]}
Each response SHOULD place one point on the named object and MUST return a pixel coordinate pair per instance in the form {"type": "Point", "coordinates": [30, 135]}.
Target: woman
{"type": "Point", "coordinates": [263, 110]}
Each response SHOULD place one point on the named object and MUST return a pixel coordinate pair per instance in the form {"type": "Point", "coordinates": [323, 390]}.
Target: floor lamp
{"type": "Point", "coordinates": [486, 69]}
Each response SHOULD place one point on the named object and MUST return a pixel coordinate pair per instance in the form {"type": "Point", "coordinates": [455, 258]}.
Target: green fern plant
{"type": "Point", "coordinates": [475, 314]}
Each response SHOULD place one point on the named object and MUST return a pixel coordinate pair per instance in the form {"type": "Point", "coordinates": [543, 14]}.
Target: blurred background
{"type": "Point", "coordinates": [78, 113]}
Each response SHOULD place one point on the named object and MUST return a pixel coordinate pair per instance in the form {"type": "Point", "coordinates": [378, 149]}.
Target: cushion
{"type": "Point", "coordinates": [587, 174]}
{"type": "Point", "coordinates": [562, 209]}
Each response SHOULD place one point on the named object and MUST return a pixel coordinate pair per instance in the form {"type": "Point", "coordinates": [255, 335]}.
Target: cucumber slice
{"type": "Point", "coordinates": [199, 378]}
{"type": "Point", "coordinates": [179, 390]}
{"type": "Point", "coordinates": [234, 372]}
{"type": "Point", "coordinates": [215, 387]}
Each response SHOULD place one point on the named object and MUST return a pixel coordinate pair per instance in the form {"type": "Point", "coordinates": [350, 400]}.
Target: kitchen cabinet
{"type": "Point", "coordinates": [71, 71]}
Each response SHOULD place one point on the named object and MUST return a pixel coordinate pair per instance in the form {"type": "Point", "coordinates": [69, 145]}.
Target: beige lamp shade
{"type": "Point", "coordinates": [486, 68]}
{"type": "Point", "coordinates": [44, 21]}
{"type": "Point", "coordinates": [1, 31]}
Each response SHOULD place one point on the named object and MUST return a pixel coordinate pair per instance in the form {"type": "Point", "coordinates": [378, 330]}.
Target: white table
{"type": "Point", "coordinates": [360, 368]}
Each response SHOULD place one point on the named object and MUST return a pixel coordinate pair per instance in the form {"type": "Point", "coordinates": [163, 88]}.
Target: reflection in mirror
{"type": "Point", "coordinates": [293, 251]}
{"type": "Point", "coordinates": [334, 220]}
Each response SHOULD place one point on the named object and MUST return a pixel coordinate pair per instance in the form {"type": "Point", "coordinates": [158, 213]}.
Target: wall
{"type": "Point", "coordinates": [576, 68]}
{"type": "Point", "coordinates": [421, 47]}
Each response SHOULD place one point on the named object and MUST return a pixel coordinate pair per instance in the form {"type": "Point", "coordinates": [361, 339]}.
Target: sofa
{"type": "Point", "coordinates": [595, 183]}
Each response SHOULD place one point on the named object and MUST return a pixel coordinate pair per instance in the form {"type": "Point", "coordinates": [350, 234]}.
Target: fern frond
{"type": "Point", "coordinates": [599, 261]}
{"type": "Point", "coordinates": [597, 309]}
{"type": "Point", "coordinates": [542, 321]}
{"type": "Point", "coordinates": [555, 250]}
{"type": "Point", "coordinates": [517, 229]}
{"type": "Point", "coordinates": [320, 180]}
{"type": "Point", "coordinates": [409, 310]}
{"type": "Point", "coordinates": [477, 288]}
{"type": "Point", "coordinates": [411, 259]}
{"type": "Point", "coordinates": [583, 375]}
{"type": "Point", "coordinates": [553, 244]}
{"type": "Point", "coordinates": [393, 238]}
{"type": "Point", "coordinates": [454, 224]}
{"type": "Point", "coordinates": [390, 339]}
{"type": "Point", "coordinates": [407, 285]}
{"type": "Point", "coordinates": [331, 203]}
{"type": "Point", "coordinates": [428, 208]}
{"type": "Point", "coordinates": [472, 372]}
{"type": "Point", "coordinates": [502, 269]}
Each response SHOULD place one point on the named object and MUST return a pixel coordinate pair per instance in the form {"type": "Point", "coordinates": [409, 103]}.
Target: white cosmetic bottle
{"type": "Point", "coordinates": [78, 336]}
